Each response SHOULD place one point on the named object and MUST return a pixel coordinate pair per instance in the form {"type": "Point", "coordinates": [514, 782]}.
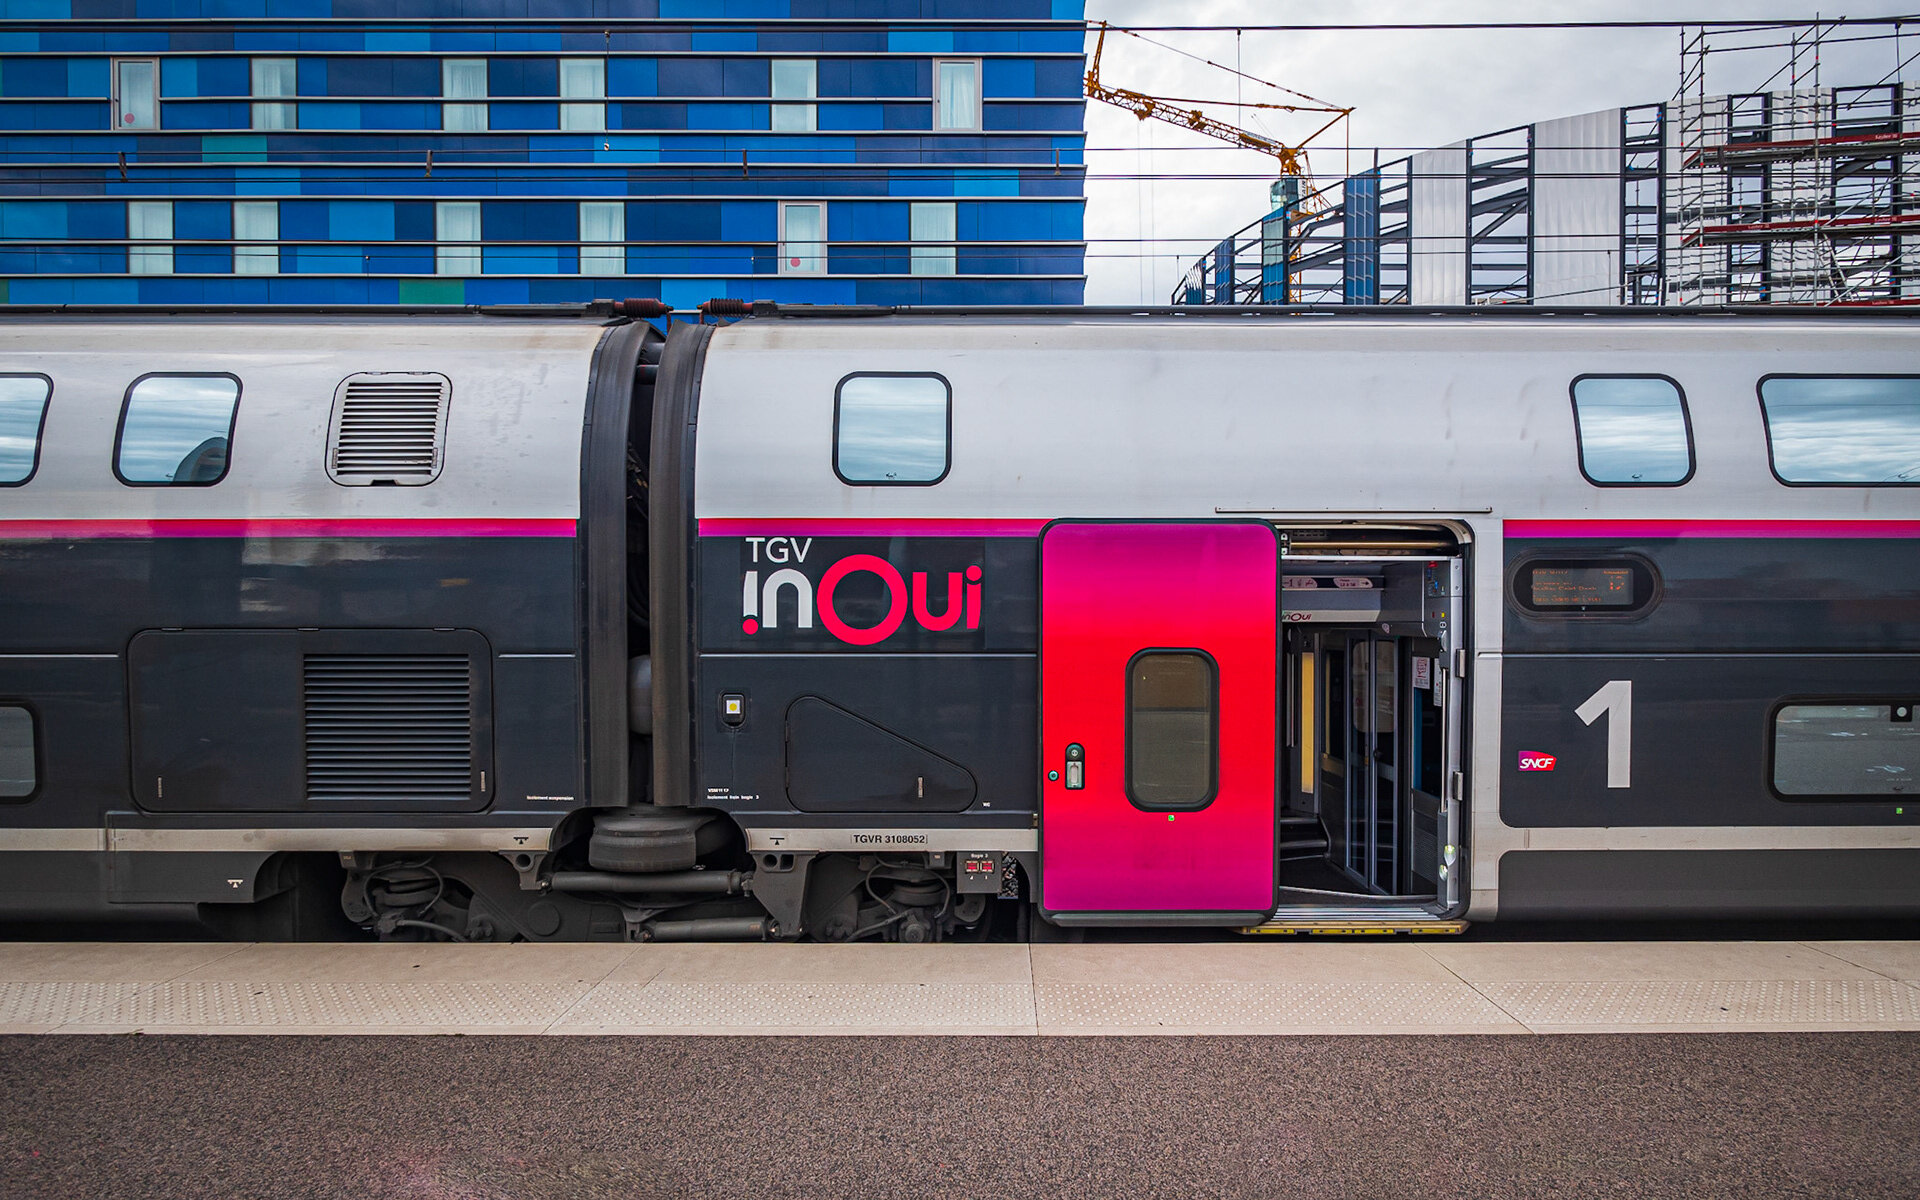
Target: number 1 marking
{"type": "Point", "coordinates": [1615, 698]}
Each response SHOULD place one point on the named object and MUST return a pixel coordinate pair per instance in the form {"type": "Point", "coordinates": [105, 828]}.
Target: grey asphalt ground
{"type": "Point", "coordinates": [1733, 1115]}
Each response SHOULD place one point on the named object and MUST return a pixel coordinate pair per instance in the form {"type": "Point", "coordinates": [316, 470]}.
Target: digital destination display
{"type": "Point", "coordinates": [1582, 587]}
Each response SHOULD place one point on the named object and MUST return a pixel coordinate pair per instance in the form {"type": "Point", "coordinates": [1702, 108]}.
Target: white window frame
{"type": "Point", "coordinates": [464, 114]}
{"type": "Point", "coordinates": [584, 118]}
{"type": "Point", "coordinates": [156, 220]}
{"type": "Point", "coordinates": [256, 255]}
{"type": "Point", "coordinates": [604, 257]}
{"type": "Point", "coordinates": [462, 259]}
{"type": "Point", "coordinates": [979, 98]}
{"type": "Point", "coordinates": [942, 257]}
{"type": "Point", "coordinates": [820, 255]}
{"type": "Point", "coordinates": [120, 113]}
{"type": "Point", "coordinates": [273, 114]}
{"type": "Point", "coordinates": [794, 118]}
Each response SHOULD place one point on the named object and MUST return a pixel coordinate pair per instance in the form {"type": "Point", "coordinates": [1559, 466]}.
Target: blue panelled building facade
{"type": "Point", "coordinates": [177, 152]}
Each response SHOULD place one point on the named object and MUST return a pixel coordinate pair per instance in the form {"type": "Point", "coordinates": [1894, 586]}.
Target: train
{"type": "Point", "coordinates": [846, 623]}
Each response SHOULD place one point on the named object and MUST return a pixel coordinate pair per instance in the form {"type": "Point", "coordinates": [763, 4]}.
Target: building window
{"type": "Point", "coordinates": [803, 239]}
{"type": "Point", "coordinates": [603, 236]}
{"type": "Point", "coordinates": [256, 221]}
{"type": "Point", "coordinates": [583, 79]}
{"type": "Point", "coordinates": [456, 226]}
{"type": "Point", "coordinates": [149, 221]}
{"type": "Point", "coordinates": [1847, 750]}
{"type": "Point", "coordinates": [794, 79]}
{"type": "Point", "coordinates": [23, 411]}
{"type": "Point", "coordinates": [464, 79]}
{"type": "Point", "coordinates": [956, 93]}
{"type": "Point", "coordinates": [892, 429]}
{"type": "Point", "coordinates": [136, 93]}
{"type": "Point", "coordinates": [1860, 429]}
{"type": "Point", "coordinates": [175, 430]}
{"type": "Point", "coordinates": [19, 772]}
{"type": "Point", "coordinates": [933, 223]}
{"type": "Point", "coordinates": [1172, 716]}
{"type": "Point", "coordinates": [274, 77]}
{"type": "Point", "coordinates": [1633, 431]}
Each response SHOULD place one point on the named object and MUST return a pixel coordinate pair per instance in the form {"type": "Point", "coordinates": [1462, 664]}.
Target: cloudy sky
{"type": "Point", "coordinates": [1410, 90]}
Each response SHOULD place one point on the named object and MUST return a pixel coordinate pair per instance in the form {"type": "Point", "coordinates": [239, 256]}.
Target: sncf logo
{"type": "Point", "coordinates": [1534, 760]}
{"type": "Point", "coordinates": [959, 606]}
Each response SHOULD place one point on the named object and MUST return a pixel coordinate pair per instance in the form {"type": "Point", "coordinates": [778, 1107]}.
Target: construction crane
{"type": "Point", "coordinates": [1293, 159]}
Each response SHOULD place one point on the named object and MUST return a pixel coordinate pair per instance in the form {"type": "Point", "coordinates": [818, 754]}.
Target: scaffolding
{"type": "Point", "coordinates": [1802, 194]}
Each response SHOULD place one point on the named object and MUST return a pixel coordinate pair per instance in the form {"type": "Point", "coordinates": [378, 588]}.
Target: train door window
{"type": "Point", "coordinates": [176, 430]}
{"type": "Point", "coordinates": [1840, 750]}
{"type": "Point", "coordinates": [892, 429]}
{"type": "Point", "coordinates": [19, 770]}
{"type": "Point", "coordinates": [1859, 429]}
{"type": "Point", "coordinates": [23, 411]}
{"type": "Point", "coordinates": [1633, 431]}
{"type": "Point", "coordinates": [1173, 717]}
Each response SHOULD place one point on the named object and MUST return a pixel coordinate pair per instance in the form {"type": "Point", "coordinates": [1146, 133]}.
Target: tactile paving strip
{"type": "Point", "coordinates": [47, 1003]}
{"type": "Point", "coordinates": [1264, 1005]}
{"type": "Point", "coordinates": [804, 1005]}
{"type": "Point", "coordinates": [251, 1005]}
{"type": "Point", "coordinates": [1736, 1002]}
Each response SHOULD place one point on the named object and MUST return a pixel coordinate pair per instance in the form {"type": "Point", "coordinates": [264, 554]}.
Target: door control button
{"type": "Point", "coordinates": [1076, 767]}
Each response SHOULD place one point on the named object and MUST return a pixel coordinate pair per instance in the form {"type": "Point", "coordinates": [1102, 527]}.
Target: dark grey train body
{"type": "Point", "coordinates": [551, 628]}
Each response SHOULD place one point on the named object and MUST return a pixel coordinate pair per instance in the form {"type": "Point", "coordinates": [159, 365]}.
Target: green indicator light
{"type": "Point", "coordinates": [1169, 816]}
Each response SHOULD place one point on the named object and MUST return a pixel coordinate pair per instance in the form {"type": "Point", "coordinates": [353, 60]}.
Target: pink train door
{"type": "Point", "coordinates": [1158, 653]}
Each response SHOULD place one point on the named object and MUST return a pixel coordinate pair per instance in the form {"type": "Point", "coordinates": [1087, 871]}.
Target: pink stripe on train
{"type": "Point", "coordinates": [1712, 529]}
{"type": "Point", "coordinates": [273, 527]}
{"type": "Point", "coordinates": [869, 527]}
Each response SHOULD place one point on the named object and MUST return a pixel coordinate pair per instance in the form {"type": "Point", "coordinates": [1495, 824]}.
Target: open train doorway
{"type": "Point", "coordinates": [1373, 787]}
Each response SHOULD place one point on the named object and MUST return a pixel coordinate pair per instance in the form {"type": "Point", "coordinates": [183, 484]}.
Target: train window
{"type": "Point", "coordinates": [1596, 587]}
{"type": "Point", "coordinates": [19, 772]}
{"type": "Point", "coordinates": [1847, 750]}
{"type": "Point", "coordinates": [892, 429]}
{"type": "Point", "coordinates": [1861, 429]}
{"type": "Point", "coordinates": [176, 430]}
{"type": "Point", "coordinates": [1633, 431]}
{"type": "Point", "coordinates": [23, 410]}
{"type": "Point", "coordinates": [1173, 718]}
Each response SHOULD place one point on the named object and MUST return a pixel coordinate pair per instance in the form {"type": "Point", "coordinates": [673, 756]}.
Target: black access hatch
{"type": "Point", "coordinates": [838, 761]}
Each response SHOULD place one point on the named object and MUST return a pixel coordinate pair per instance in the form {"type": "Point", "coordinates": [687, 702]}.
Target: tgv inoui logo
{"type": "Point", "coordinates": [760, 598]}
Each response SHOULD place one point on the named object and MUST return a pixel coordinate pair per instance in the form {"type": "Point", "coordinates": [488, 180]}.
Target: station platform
{"type": "Point", "coordinates": [1254, 987]}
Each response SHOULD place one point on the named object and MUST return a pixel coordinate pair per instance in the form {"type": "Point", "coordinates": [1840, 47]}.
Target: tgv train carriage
{"type": "Point", "coordinates": [848, 623]}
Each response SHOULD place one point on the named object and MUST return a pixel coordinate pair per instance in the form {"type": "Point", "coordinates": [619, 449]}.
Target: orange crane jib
{"type": "Point", "coordinates": [1292, 158]}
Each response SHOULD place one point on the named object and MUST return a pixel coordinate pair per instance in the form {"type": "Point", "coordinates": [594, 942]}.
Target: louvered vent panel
{"type": "Point", "coordinates": [388, 428]}
{"type": "Point", "coordinates": [384, 728]}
